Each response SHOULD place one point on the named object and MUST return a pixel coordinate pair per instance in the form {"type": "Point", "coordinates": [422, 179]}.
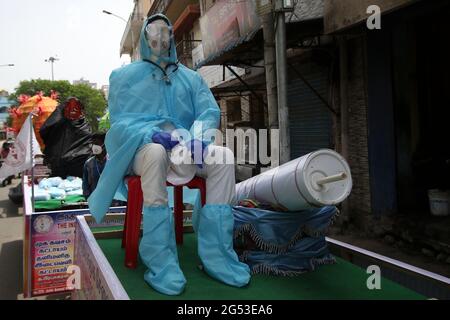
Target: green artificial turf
{"type": "Point", "coordinates": [342, 280]}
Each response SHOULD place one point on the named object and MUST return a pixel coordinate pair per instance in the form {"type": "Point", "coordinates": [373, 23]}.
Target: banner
{"type": "Point", "coordinates": [52, 250]}
{"type": "Point", "coordinates": [226, 23]}
{"type": "Point", "coordinates": [20, 156]}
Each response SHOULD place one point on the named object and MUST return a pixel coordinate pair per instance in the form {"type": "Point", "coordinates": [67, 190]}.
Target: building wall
{"type": "Point", "coordinates": [196, 30]}
{"type": "Point", "coordinates": [223, 115]}
{"type": "Point", "coordinates": [340, 14]}
{"type": "Point", "coordinates": [130, 40]}
{"type": "Point", "coordinates": [245, 108]}
{"type": "Point", "coordinates": [143, 7]}
{"type": "Point", "coordinates": [205, 5]}
{"type": "Point", "coordinates": [258, 111]}
{"type": "Point", "coordinates": [86, 82]}
{"type": "Point", "coordinates": [5, 104]}
{"type": "Point", "coordinates": [360, 201]}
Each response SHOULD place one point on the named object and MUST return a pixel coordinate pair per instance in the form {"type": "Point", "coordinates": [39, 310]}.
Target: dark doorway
{"type": "Point", "coordinates": [421, 80]}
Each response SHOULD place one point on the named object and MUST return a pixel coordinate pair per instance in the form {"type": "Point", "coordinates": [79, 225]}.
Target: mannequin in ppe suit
{"type": "Point", "coordinates": [150, 100]}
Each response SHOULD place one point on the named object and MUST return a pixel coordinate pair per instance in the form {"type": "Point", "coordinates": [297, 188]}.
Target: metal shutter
{"type": "Point", "coordinates": [310, 121]}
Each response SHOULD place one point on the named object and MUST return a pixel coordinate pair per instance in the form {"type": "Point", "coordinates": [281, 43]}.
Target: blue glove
{"type": "Point", "coordinates": [197, 148]}
{"type": "Point", "coordinates": [165, 139]}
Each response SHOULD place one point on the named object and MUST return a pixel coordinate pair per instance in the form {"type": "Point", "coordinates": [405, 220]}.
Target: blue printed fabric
{"type": "Point", "coordinates": [282, 243]}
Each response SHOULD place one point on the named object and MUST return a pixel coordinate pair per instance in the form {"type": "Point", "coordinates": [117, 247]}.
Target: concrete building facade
{"type": "Point", "coordinates": [372, 95]}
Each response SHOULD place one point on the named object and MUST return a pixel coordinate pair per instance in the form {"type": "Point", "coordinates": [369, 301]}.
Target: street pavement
{"type": "Point", "coordinates": [11, 240]}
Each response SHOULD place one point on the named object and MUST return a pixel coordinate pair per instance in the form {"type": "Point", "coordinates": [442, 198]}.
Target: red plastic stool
{"type": "Point", "coordinates": [133, 216]}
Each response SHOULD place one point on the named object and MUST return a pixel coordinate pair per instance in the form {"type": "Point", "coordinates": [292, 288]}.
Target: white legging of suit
{"type": "Point", "coordinates": [152, 163]}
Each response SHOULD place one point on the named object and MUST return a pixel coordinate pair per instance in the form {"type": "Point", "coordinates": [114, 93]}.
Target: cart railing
{"type": "Point", "coordinates": [419, 280]}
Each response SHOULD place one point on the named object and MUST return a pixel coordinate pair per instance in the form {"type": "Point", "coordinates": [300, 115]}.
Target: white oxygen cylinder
{"type": "Point", "coordinates": [321, 178]}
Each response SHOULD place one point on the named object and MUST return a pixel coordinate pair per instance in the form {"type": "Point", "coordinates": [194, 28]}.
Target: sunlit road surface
{"type": "Point", "coordinates": [11, 239]}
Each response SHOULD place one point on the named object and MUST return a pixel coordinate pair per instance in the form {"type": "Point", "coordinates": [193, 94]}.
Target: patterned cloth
{"type": "Point", "coordinates": [283, 243]}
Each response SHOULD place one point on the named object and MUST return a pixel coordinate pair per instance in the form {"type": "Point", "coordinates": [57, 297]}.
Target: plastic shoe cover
{"type": "Point", "coordinates": [158, 251]}
{"type": "Point", "coordinates": [215, 246]}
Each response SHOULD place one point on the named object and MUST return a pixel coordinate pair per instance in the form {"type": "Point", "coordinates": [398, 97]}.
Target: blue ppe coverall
{"type": "Point", "coordinates": [143, 97]}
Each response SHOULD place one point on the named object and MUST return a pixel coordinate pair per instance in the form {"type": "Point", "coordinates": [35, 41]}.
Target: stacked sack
{"type": "Point", "coordinates": [282, 243]}
{"type": "Point", "coordinates": [57, 188]}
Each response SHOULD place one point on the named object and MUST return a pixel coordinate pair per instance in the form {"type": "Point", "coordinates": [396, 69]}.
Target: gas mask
{"type": "Point", "coordinates": [96, 149]}
{"type": "Point", "coordinates": [159, 36]}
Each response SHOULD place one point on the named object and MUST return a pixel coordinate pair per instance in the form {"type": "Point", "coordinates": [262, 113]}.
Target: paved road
{"type": "Point", "coordinates": [11, 239]}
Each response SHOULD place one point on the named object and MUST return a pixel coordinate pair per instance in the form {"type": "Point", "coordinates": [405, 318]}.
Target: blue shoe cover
{"type": "Point", "coordinates": [158, 252]}
{"type": "Point", "coordinates": [215, 246]}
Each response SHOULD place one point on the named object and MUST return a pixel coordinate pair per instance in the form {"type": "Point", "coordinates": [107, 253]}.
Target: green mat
{"type": "Point", "coordinates": [339, 281]}
{"type": "Point", "coordinates": [57, 204]}
{"type": "Point", "coordinates": [106, 229]}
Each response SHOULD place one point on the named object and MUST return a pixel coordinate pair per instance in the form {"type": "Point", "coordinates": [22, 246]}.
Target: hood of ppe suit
{"type": "Point", "coordinates": [146, 51]}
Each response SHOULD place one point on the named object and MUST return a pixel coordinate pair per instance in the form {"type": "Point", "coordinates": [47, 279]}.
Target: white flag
{"type": "Point", "coordinates": [20, 154]}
